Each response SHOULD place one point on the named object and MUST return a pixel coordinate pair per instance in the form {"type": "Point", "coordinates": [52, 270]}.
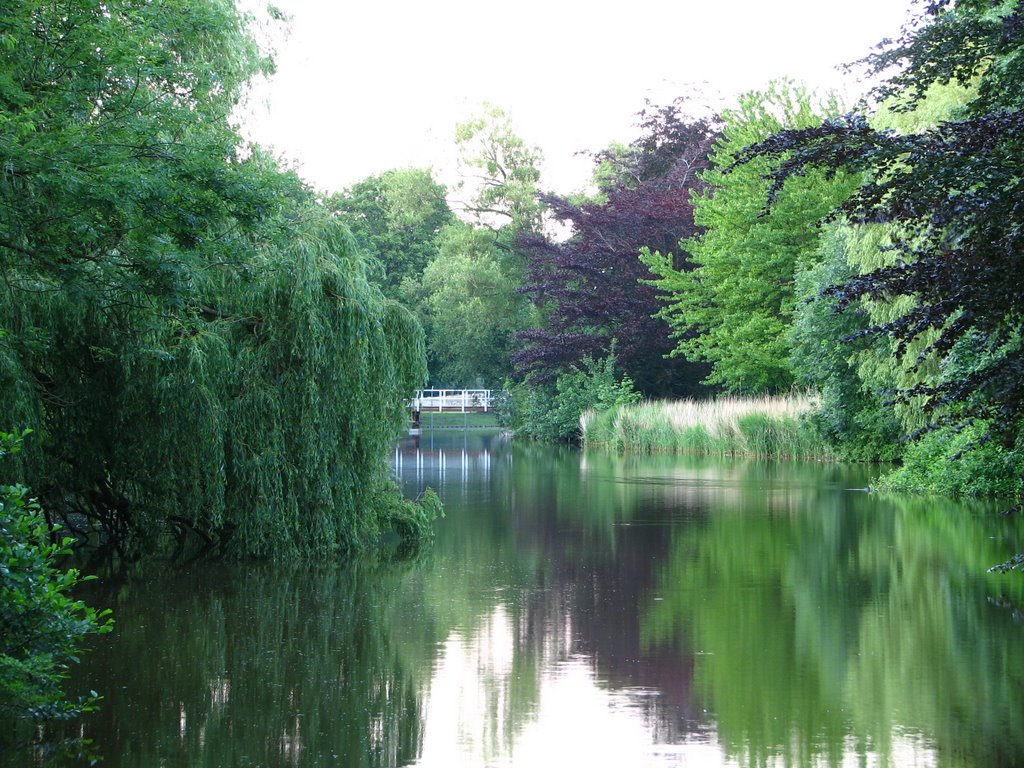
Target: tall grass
{"type": "Point", "coordinates": [762, 427]}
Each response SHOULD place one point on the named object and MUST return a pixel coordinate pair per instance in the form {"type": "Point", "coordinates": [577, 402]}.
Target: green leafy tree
{"type": "Point", "coordinates": [858, 416]}
{"type": "Point", "coordinates": [42, 627]}
{"type": "Point", "coordinates": [118, 153]}
{"type": "Point", "coordinates": [189, 332]}
{"type": "Point", "coordinates": [950, 193]}
{"type": "Point", "coordinates": [854, 417]}
{"type": "Point", "coordinates": [618, 166]}
{"type": "Point", "coordinates": [473, 308]}
{"type": "Point", "coordinates": [734, 307]}
{"type": "Point", "coordinates": [396, 218]}
{"type": "Point", "coordinates": [500, 171]}
{"type": "Point", "coordinates": [468, 296]}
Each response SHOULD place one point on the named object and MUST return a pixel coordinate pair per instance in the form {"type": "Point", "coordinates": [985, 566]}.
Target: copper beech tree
{"type": "Point", "coordinates": [589, 286]}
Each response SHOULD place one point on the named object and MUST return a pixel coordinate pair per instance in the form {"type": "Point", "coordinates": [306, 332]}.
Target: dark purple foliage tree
{"type": "Point", "coordinates": [588, 287]}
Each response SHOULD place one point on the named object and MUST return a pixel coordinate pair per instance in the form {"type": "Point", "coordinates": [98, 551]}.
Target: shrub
{"type": "Point", "coordinates": [959, 463]}
{"type": "Point", "coordinates": [555, 413]}
{"type": "Point", "coordinates": [42, 627]}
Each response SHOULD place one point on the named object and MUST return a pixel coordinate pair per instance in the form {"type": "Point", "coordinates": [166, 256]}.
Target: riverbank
{"type": "Point", "coordinates": [756, 427]}
{"type": "Point", "coordinates": [457, 420]}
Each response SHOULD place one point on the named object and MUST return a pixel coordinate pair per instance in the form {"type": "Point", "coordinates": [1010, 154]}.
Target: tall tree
{"type": "Point", "coordinates": [500, 172]}
{"type": "Point", "coordinates": [589, 287]}
{"type": "Point", "coordinates": [857, 415]}
{"type": "Point", "coordinates": [733, 305]}
{"type": "Point", "coordinates": [952, 195]}
{"type": "Point", "coordinates": [472, 308]}
{"type": "Point", "coordinates": [396, 218]}
{"type": "Point", "coordinates": [468, 298]}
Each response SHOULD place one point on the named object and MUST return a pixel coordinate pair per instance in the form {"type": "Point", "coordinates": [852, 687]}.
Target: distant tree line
{"type": "Point", "coordinates": [868, 254]}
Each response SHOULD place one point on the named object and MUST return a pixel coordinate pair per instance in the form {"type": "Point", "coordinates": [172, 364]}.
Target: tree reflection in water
{"type": "Point", "coordinates": [588, 609]}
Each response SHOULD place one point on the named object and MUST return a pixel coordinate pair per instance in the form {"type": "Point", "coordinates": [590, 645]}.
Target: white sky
{"type": "Point", "coordinates": [376, 84]}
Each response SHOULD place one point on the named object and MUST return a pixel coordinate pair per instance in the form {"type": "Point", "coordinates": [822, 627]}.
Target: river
{"type": "Point", "coordinates": [584, 609]}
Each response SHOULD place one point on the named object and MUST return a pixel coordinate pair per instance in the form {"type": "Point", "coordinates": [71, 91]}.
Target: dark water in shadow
{"type": "Point", "coordinates": [585, 610]}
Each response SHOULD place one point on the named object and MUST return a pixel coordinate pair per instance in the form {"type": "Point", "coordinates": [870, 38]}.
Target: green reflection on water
{"type": "Point", "coordinates": [226, 665]}
{"type": "Point", "coordinates": [761, 612]}
{"type": "Point", "coordinates": [834, 623]}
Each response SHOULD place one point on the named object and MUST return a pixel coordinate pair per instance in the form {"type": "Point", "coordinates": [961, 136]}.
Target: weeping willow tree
{"type": "Point", "coordinates": [300, 382]}
{"type": "Point", "coordinates": [188, 333]}
{"type": "Point", "coordinates": [256, 419]}
{"type": "Point", "coordinates": [318, 365]}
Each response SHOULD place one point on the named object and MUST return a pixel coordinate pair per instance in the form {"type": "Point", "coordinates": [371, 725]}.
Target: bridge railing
{"type": "Point", "coordinates": [452, 400]}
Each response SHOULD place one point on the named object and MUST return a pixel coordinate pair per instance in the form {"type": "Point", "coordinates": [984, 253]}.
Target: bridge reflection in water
{"type": "Point", "coordinates": [426, 456]}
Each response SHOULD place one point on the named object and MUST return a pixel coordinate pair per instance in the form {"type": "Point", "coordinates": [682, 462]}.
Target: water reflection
{"type": "Point", "coordinates": [740, 613]}
{"type": "Point", "coordinates": [419, 457]}
{"type": "Point", "coordinates": [588, 609]}
{"type": "Point", "coordinates": [226, 665]}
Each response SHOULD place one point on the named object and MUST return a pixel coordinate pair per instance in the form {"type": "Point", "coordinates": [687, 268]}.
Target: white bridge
{"type": "Point", "coordinates": [459, 400]}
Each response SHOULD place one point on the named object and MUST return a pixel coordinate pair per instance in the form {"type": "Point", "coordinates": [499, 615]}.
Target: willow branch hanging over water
{"type": "Point", "coordinates": [301, 390]}
{"type": "Point", "coordinates": [256, 419]}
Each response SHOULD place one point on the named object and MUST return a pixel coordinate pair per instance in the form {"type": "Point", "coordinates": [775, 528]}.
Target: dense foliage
{"type": "Point", "coordinates": [460, 277]}
{"type": "Point", "coordinates": [951, 195]}
{"type": "Point", "coordinates": [42, 627]}
{"type": "Point", "coordinates": [587, 286]}
{"type": "Point", "coordinates": [396, 218]}
{"type": "Point", "coordinates": [552, 411]}
{"type": "Point", "coordinates": [732, 304]}
{"type": "Point", "coordinates": [854, 418]}
{"type": "Point", "coordinates": [190, 334]}
{"type": "Point", "coordinates": [472, 308]}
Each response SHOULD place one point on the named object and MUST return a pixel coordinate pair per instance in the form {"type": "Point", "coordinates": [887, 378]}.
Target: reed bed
{"type": "Point", "coordinates": [761, 427]}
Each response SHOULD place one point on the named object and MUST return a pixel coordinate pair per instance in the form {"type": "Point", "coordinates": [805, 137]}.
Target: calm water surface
{"type": "Point", "coordinates": [585, 610]}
